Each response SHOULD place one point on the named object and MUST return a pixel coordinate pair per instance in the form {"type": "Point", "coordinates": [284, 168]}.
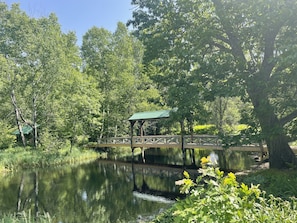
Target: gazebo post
{"type": "Point", "coordinates": [131, 138]}
{"type": "Point", "coordinates": [141, 122]}
{"type": "Point", "coordinates": [182, 126]}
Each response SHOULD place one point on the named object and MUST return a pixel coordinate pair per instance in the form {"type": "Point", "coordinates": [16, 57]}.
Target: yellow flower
{"type": "Point", "coordinates": [232, 176]}
{"type": "Point", "coordinates": [230, 180]}
{"type": "Point", "coordinates": [186, 175]}
{"type": "Point", "coordinates": [204, 160]}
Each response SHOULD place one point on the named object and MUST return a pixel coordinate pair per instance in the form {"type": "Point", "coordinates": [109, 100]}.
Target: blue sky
{"type": "Point", "coordinates": [80, 15]}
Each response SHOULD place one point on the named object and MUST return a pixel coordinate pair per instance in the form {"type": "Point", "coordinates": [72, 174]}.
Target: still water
{"type": "Point", "coordinates": [96, 192]}
{"type": "Point", "coordinates": [101, 191]}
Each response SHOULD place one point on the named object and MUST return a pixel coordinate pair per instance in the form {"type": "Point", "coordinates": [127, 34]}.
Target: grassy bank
{"type": "Point", "coordinates": [25, 217]}
{"type": "Point", "coordinates": [25, 158]}
{"type": "Point", "coordinates": [280, 183]}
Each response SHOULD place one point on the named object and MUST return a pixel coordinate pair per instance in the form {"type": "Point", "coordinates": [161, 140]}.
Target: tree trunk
{"type": "Point", "coordinates": [280, 154]}
{"type": "Point", "coordinates": [36, 190]}
{"type": "Point", "coordinates": [35, 133]}
{"type": "Point", "coordinates": [20, 191]}
{"type": "Point", "coordinates": [17, 117]}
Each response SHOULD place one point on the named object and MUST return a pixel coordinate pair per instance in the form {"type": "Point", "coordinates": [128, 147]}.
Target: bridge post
{"type": "Point", "coordinates": [131, 139]}
{"type": "Point", "coordinates": [182, 127]}
{"type": "Point", "coordinates": [183, 149]}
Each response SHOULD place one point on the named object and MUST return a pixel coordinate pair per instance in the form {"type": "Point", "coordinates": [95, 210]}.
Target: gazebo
{"type": "Point", "coordinates": [141, 118]}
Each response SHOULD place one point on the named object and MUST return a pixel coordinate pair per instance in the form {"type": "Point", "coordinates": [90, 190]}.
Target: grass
{"type": "Point", "coordinates": [280, 183]}
{"type": "Point", "coordinates": [25, 158]}
{"type": "Point", "coordinates": [26, 217]}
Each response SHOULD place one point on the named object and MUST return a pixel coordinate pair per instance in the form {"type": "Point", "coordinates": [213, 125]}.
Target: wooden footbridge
{"type": "Point", "coordinates": [210, 142]}
{"type": "Point", "coordinates": [183, 142]}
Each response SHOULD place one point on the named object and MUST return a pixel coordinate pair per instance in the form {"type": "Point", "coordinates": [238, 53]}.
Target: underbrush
{"type": "Point", "coordinates": [25, 217]}
{"type": "Point", "coordinates": [14, 158]}
{"type": "Point", "coordinates": [280, 183]}
{"type": "Point", "coordinates": [217, 197]}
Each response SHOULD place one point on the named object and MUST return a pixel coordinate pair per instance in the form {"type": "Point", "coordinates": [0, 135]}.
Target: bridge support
{"type": "Point", "coordinates": [183, 150]}
{"type": "Point", "coordinates": [192, 151]}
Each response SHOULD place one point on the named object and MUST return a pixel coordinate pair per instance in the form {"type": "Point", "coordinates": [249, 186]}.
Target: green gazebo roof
{"type": "Point", "coordinates": [150, 115]}
{"type": "Point", "coordinates": [26, 130]}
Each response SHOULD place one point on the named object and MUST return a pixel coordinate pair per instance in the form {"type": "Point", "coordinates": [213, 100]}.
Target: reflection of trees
{"type": "Point", "coordinates": [88, 193]}
{"type": "Point", "coordinates": [20, 190]}
{"type": "Point", "coordinates": [29, 199]}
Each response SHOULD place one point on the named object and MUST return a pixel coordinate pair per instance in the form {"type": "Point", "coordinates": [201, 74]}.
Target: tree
{"type": "Point", "coordinates": [225, 113]}
{"type": "Point", "coordinates": [39, 60]}
{"type": "Point", "coordinates": [114, 60]}
{"type": "Point", "coordinates": [235, 48]}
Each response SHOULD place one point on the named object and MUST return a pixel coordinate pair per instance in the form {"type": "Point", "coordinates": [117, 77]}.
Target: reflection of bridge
{"type": "Point", "coordinates": [147, 192]}
{"type": "Point", "coordinates": [210, 142]}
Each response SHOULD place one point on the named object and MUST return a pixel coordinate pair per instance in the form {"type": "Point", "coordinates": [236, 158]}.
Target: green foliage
{"type": "Point", "coordinates": [26, 217]}
{"type": "Point", "coordinates": [6, 137]}
{"type": "Point", "coordinates": [15, 158]}
{"type": "Point", "coordinates": [48, 141]}
{"type": "Point", "coordinates": [114, 61]}
{"type": "Point", "coordinates": [205, 129]}
{"type": "Point", "coordinates": [216, 197]}
{"type": "Point", "coordinates": [228, 48]}
{"type": "Point", "coordinates": [280, 183]}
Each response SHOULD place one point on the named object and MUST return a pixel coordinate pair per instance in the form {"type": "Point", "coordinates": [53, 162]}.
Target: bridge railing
{"type": "Point", "coordinates": [175, 141]}
{"type": "Point", "coordinates": [114, 141]}
{"type": "Point", "coordinates": [157, 139]}
{"type": "Point", "coordinates": [202, 140]}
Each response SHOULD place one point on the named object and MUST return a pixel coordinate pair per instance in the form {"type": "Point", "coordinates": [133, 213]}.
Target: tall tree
{"type": "Point", "coordinates": [39, 56]}
{"type": "Point", "coordinates": [115, 61]}
{"type": "Point", "coordinates": [236, 47]}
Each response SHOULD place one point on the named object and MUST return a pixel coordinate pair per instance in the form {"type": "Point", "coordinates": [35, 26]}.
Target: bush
{"type": "Point", "coordinates": [216, 197]}
{"type": "Point", "coordinates": [7, 139]}
{"type": "Point", "coordinates": [280, 183]}
{"type": "Point", "coordinates": [205, 129]}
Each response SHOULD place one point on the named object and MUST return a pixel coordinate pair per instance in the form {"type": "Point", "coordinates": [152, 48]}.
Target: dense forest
{"type": "Point", "coordinates": [220, 63]}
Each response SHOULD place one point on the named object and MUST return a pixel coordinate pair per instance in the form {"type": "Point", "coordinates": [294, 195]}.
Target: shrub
{"type": "Point", "coordinates": [216, 197]}
{"type": "Point", "coordinates": [280, 183]}
{"type": "Point", "coordinates": [205, 129]}
{"type": "Point", "coordinates": [7, 139]}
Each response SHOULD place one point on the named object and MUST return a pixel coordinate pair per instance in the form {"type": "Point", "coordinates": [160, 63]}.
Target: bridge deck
{"type": "Point", "coordinates": [175, 141]}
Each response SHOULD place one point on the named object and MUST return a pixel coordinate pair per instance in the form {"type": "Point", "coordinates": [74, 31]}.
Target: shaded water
{"type": "Point", "coordinates": [96, 192]}
{"type": "Point", "coordinates": [227, 160]}
{"type": "Point", "coordinates": [104, 191]}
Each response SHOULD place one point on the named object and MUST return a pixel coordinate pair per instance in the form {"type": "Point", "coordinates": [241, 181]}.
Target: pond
{"type": "Point", "coordinates": [101, 191]}
{"type": "Point", "coordinates": [96, 192]}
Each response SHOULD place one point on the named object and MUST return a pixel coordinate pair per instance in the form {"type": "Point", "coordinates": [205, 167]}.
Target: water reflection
{"type": "Point", "coordinates": [96, 192]}
{"type": "Point", "coordinates": [227, 160]}
{"type": "Point", "coordinates": [105, 191]}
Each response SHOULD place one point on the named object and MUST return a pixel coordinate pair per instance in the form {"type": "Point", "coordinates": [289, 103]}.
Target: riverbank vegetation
{"type": "Point", "coordinates": [28, 158]}
{"type": "Point", "coordinates": [217, 197]}
{"type": "Point", "coordinates": [25, 217]}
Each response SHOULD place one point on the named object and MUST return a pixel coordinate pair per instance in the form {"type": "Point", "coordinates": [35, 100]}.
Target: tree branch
{"type": "Point", "coordinates": [268, 63]}
{"type": "Point", "coordinates": [288, 118]}
{"type": "Point", "coordinates": [233, 39]}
